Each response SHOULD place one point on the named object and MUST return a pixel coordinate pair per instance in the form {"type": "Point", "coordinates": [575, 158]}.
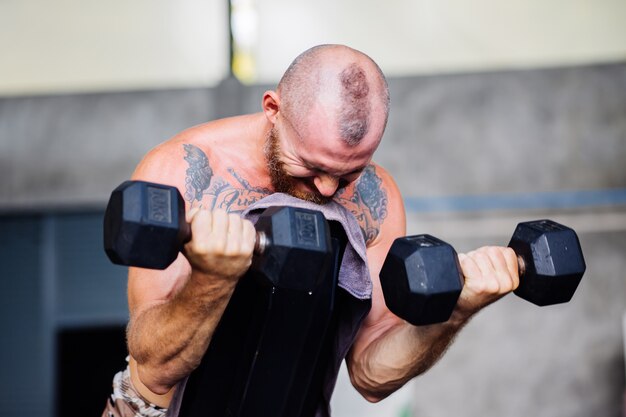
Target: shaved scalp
{"type": "Point", "coordinates": [355, 113]}
{"type": "Point", "coordinates": [356, 78]}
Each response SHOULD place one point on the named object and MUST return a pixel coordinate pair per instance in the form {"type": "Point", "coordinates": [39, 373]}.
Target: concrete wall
{"type": "Point", "coordinates": [555, 138]}
{"type": "Point", "coordinates": [516, 131]}
{"type": "Point", "coordinates": [73, 149]}
{"type": "Point", "coordinates": [525, 131]}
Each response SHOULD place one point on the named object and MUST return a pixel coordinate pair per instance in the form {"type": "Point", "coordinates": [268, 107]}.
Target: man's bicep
{"type": "Point", "coordinates": [392, 228]}
{"type": "Point", "coordinates": [380, 319]}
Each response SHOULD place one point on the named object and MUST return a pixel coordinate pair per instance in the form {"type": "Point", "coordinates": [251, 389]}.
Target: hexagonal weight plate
{"type": "Point", "coordinates": [299, 250]}
{"type": "Point", "coordinates": [553, 261]}
{"type": "Point", "coordinates": [144, 225]}
{"type": "Point", "coordinates": [421, 279]}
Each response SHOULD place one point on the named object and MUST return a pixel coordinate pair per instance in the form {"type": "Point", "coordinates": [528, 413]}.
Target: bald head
{"type": "Point", "coordinates": [344, 82]}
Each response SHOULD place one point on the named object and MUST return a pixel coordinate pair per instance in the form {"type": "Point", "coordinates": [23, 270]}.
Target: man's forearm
{"type": "Point", "coordinates": [168, 340]}
{"type": "Point", "coordinates": [400, 354]}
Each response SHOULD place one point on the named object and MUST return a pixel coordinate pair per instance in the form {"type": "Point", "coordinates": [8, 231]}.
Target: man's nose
{"type": "Point", "coordinates": [326, 184]}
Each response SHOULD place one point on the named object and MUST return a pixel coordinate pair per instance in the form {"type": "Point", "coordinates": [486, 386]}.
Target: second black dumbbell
{"type": "Point", "coordinates": [144, 226]}
{"type": "Point", "coordinates": [422, 280]}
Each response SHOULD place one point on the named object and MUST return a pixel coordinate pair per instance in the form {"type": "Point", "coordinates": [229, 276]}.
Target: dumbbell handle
{"type": "Point", "coordinates": [521, 266]}
{"type": "Point", "coordinates": [261, 241]}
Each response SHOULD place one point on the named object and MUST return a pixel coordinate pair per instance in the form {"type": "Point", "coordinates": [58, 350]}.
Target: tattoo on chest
{"type": "Point", "coordinates": [368, 203]}
{"type": "Point", "coordinates": [205, 189]}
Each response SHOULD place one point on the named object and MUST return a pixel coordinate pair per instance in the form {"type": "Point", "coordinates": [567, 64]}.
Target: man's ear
{"type": "Point", "coordinates": [271, 105]}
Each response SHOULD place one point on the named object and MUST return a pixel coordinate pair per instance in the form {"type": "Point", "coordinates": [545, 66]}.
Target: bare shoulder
{"type": "Point", "coordinates": [210, 164]}
{"type": "Point", "coordinates": [375, 201]}
{"type": "Point", "coordinates": [164, 162]}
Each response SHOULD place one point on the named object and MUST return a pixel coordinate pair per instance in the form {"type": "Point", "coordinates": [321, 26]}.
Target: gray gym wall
{"type": "Point", "coordinates": [474, 152]}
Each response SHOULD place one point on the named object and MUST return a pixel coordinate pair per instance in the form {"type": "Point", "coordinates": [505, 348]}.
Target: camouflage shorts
{"type": "Point", "coordinates": [126, 402]}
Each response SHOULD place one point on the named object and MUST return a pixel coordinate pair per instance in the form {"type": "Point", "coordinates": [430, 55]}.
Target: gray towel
{"type": "Point", "coordinates": [354, 275]}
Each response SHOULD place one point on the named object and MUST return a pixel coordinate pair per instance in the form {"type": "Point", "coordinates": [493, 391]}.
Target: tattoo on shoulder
{"type": "Point", "coordinates": [198, 175]}
{"type": "Point", "coordinates": [200, 181]}
{"type": "Point", "coordinates": [368, 202]}
{"type": "Point", "coordinates": [372, 194]}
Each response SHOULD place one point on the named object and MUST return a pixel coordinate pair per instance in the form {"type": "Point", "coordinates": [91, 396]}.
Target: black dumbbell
{"type": "Point", "coordinates": [144, 226]}
{"type": "Point", "coordinates": [422, 280]}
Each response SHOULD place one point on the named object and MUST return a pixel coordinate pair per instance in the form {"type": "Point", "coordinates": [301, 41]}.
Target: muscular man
{"type": "Point", "coordinates": [314, 139]}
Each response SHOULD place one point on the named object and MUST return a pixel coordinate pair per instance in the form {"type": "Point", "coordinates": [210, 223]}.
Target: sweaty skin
{"type": "Point", "coordinates": [221, 167]}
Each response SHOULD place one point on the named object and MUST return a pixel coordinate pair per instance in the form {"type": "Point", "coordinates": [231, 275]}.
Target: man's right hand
{"type": "Point", "coordinates": [221, 244]}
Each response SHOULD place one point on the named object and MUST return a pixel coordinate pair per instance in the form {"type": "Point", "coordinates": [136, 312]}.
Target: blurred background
{"type": "Point", "coordinates": [501, 112]}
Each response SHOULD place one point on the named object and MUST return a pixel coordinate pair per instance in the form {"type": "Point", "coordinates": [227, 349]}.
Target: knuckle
{"type": "Point", "coordinates": [491, 285]}
{"type": "Point", "coordinates": [234, 218]}
{"type": "Point", "coordinates": [493, 251]}
{"type": "Point", "coordinates": [201, 248]}
{"type": "Point", "coordinates": [480, 256]}
{"type": "Point", "coordinates": [219, 215]}
{"type": "Point", "coordinates": [196, 216]}
{"type": "Point", "coordinates": [486, 288]}
{"type": "Point", "coordinates": [232, 251]}
{"type": "Point", "coordinates": [509, 253]}
{"type": "Point", "coordinates": [495, 287]}
{"type": "Point", "coordinates": [249, 229]}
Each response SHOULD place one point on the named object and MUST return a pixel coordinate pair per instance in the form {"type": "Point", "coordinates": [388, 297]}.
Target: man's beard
{"type": "Point", "coordinates": [283, 182]}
